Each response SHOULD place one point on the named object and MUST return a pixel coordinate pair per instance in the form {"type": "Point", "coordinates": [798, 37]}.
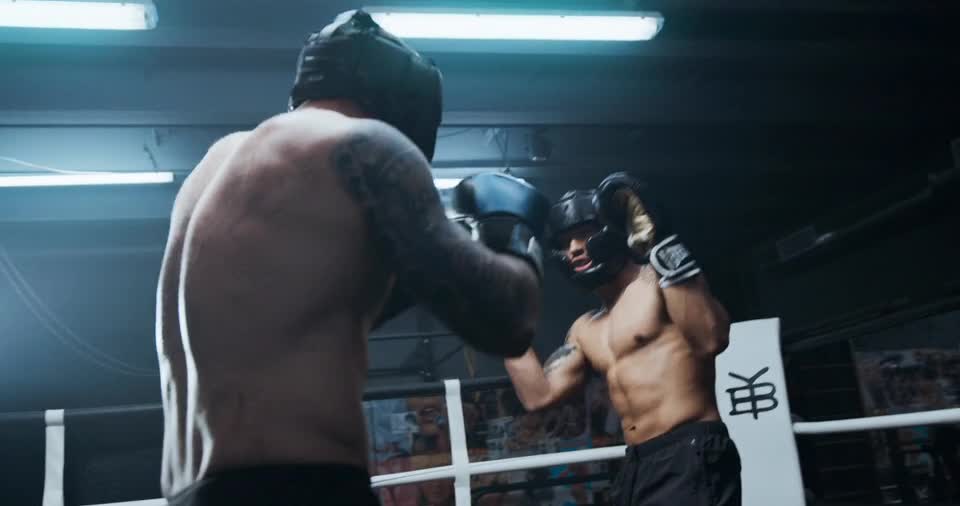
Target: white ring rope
{"type": "Point", "coordinates": [936, 417]}
{"type": "Point", "coordinates": [462, 469]}
{"type": "Point", "coordinates": [501, 465]}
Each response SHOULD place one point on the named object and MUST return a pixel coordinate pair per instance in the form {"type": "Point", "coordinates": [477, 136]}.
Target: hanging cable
{"type": "Point", "coordinates": [63, 333]}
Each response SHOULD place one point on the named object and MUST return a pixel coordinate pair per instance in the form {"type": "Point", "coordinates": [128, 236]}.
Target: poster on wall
{"type": "Point", "coordinates": [905, 369]}
{"type": "Point", "coordinates": [908, 380]}
{"type": "Point", "coordinates": [410, 434]}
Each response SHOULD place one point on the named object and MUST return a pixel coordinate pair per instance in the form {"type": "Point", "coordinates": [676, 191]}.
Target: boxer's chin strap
{"type": "Point", "coordinates": [458, 442]}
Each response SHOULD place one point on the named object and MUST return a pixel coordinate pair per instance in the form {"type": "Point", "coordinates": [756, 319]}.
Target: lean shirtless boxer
{"type": "Point", "coordinates": [290, 242]}
{"type": "Point", "coordinates": [654, 340]}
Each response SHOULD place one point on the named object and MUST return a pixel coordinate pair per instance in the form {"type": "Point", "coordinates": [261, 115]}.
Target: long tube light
{"type": "Point", "coordinates": [445, 183]}
{"type": "Point", "coordinates": [127, 15]}
{"type": "Point", "coordinates": [624, 27]}
{"type": "Point", "coordinates": [106, 178]}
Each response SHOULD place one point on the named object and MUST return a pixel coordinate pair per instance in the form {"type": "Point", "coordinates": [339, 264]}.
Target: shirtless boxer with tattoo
{"type": "Point", "coordinates": [654, 340]}
{"type": "Point", "coordinates": [289, 243]}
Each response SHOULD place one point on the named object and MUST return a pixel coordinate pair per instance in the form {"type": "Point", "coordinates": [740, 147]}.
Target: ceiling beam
{"type": "Point", "coordinates": [620, 118]}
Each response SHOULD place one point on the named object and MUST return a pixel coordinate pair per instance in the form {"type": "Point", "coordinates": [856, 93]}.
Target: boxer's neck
{"type": "Point", "coordinates": [341, 105]}
{"type": "Point", "coordinates": [610, 292]}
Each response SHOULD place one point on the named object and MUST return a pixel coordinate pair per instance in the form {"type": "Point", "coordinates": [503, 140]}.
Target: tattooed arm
{"type": "Point", "coordinates": [491, 300]}
{"type": "Point", "coordinates": [539, 386]}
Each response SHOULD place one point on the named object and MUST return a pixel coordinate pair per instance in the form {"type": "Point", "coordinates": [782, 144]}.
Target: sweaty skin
{"type": "Point", "coordinates": [655, 348]}
{"type": "Point", "coordinates": [277, 265]}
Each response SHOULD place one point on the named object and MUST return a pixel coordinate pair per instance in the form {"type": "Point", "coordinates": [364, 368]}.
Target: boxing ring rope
{"type": "Point", "coordinates": [934, 417]}
{"type": "Point", "coordinates": [461, 469]}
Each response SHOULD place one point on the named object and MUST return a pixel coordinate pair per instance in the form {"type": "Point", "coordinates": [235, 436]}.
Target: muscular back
{"type": "Point", "coordinates": [268, 288]}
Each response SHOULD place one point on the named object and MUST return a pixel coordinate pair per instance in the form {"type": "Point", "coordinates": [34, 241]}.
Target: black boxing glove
{"type": "Point", "coordinates": [606, 245]}
{"type": "Point", "coordinates": [509, 214]}
{"type": "Point", "coordinates": [620, 202]}
{"type": "Point", "coordinates": [623, 201]}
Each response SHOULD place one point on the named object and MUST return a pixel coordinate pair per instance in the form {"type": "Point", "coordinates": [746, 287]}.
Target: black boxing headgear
{"type": "Point", "coordinates": [356, 59]}
{"type": "Point", "coordinates": [607, 249]}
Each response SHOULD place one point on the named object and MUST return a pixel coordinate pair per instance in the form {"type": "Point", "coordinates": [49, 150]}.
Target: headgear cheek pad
{"type": "Point", "coordinates": [354, 58]}
{"type": "Point", "coordinates": [607, 248]}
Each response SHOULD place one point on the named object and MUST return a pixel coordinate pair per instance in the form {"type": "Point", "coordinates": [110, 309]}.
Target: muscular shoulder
{"type": "Point", "coordinates": [201, 175]}
{"type": "Point", "coordinates": [230, 141]}
{"type": "Point", "coordinates": [220, 150]}
{"type": "Point", "coordinates": [326, 132]}
{"type": "Point", "coordinates": [378, 147]}
{"type": "Point", "coordinates": [578, 326]}
{"type": "Point", "coordinates": [380, 134]}
{"type": "Point", "coordinates": [374, 159]}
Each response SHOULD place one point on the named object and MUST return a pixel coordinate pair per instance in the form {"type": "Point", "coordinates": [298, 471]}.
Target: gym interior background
{"type": "Point", "coordinates": [808, 154]}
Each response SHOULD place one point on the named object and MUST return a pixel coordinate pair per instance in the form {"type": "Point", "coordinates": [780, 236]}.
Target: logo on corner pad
{"type": "Point", "coordinates": [752, 398]}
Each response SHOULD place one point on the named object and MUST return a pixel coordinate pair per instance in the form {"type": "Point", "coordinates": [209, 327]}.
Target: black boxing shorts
{"type": "Point", "coordinates": [300, 485]}
{"type": "Point", "coordinates": [696, 464]}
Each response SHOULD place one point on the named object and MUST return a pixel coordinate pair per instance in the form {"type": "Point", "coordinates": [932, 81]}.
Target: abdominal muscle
{"type": "Point", "coordinates": [660, 386]}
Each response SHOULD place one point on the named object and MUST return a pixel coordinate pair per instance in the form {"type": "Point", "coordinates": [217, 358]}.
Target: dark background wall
{"type": "Point", "coordinates": [753, 120]}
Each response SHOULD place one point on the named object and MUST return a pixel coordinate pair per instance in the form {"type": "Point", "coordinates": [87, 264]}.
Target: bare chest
{"type": "Point", "coordinates": [634, 322]}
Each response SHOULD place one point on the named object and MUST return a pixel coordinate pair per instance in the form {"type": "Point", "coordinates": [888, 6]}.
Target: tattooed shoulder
{"type": "Point", "coordinates": [558, 356]}
{"type": "Point", "coordinates": [387, 175]}
{"type": "Point", "coordinates": [377, 164]}
{"type": "Point", "coordinates": [466, 285]}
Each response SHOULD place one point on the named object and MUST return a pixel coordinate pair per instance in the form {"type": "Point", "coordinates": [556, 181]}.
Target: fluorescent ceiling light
{"type": "Point", "coordinates": [136, 15]}
{"type": "Point", "coordinates": [445, 183]}
{"type": "Point", "coordinates": [108, 178]}
{"type": "Point", "coordinates": [86, 179]}
{"type": "Point", "coordinates": [583, 27]}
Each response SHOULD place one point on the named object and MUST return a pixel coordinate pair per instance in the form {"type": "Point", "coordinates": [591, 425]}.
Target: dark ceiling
{"type": "Point", "coordinates": [752, 118]}
{"type": "Point", "coordinates": [745, 109]}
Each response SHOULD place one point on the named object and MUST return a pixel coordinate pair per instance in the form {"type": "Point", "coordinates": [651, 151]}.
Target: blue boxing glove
{"type": "Point", "coordinates": [624, 202]}
{"type": "Point", "coordinates": [509, 214]}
